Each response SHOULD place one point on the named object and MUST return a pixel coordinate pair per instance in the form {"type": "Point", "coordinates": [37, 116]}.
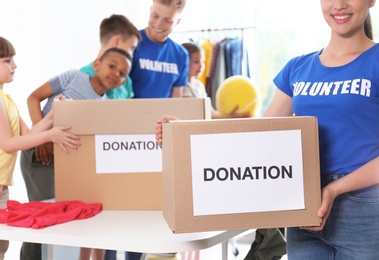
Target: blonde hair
{"type": "Point", "coordinates": [179, 4]}
{"type": "Point", "coordinates": [6, 48]}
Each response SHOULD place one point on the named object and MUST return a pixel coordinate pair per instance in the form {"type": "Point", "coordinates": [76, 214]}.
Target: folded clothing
{"type": "Point", "coordinates": [37, 214]}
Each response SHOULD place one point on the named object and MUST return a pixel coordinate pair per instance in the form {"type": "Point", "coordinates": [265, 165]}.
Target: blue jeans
{"type": "Point", "coordinates": [350, 232]}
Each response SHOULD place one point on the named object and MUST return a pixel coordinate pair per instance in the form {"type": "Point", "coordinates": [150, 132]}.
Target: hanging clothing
{"type": "Point", "coordinates": [219, 71]}
{"type": "Point", "coordinates": [223, 58]}
{"type": "Point", "coordinates": [233, 56]}
{"type": "Point", "coordinates": [216, 70]}
{"type": "Point", "coordinates": [207, 48]}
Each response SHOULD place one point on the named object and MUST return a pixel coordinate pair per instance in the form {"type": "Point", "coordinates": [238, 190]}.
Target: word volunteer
{"type": "Point", "coordinates": [159, 66]}
{"type": "Point", "coordinates": [357, 86]}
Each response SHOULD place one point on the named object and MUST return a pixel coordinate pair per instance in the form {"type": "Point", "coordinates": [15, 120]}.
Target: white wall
{"type": "Point", "coordinates": [52, 36]}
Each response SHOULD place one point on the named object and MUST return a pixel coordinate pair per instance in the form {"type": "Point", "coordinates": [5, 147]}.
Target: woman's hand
{"type": "Point", "coordinates": [327, 200]}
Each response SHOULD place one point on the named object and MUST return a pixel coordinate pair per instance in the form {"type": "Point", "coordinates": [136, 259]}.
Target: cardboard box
{"type": "Point", "coordinates": [123, 172]}
{"type": "Point", "coordinates": [241, 173]}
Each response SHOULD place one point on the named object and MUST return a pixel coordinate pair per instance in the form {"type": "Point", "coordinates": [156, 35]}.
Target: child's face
{"type": "Point", "coordinates": [129, 45]}
{"type": "Point", "coordinates": [162, 21]}
{"type": "Point", "coordinates": [112, 71]}
{"type": "Point", "coordinates": [7, 69]}
{"type": "Point", "coordinates": [196, 65]}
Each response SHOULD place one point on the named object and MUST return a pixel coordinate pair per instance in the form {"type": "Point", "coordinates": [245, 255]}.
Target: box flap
{"type": "Point", "coordinates": [87, 117]}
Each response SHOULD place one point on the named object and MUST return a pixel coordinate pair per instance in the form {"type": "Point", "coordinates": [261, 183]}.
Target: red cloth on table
{"type": "Point", "coordinates": [39, 214]}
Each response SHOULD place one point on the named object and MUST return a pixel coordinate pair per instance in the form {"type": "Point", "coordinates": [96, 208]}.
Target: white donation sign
{"type": "Point", "coordinates": [247, 172]}
{"type": "Point", "coordinates": [127, 153]}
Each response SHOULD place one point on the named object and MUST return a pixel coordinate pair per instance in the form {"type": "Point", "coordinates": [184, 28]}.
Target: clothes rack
{"type": "Point", "coordinates": [217, 29]}
{"type": "Point", "coordinates": [222, 63]}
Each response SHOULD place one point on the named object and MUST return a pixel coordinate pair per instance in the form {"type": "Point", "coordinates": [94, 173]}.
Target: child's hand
{"type": "Point", "coordinates": [235, 114]}
{"type": "Point", "coordinates": [59, 97]}
{"type": "Point", "coordinates": [44, 152]}
{"type": "Point", "coordinates": [158, 128]}
{"type": "Point", "coordinates": [59, 136]}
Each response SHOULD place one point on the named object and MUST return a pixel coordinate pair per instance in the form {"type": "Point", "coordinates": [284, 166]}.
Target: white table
{"type": "Point", "coordinates": [124, 230]}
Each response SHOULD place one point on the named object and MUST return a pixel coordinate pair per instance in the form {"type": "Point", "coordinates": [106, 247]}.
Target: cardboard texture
{"type": "Point", "coordinates": [178, 197]}
{"type": "Point", "coordinates": [75, 172]}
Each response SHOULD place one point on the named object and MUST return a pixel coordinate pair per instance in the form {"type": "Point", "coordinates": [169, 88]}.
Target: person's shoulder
{"type": "Point", "coordinates": [88, 69]}
{"type": "Point", "coordinates": [304, 58]}
{"type": "Point", "coordinates": [144, 37]}
{"type": "Point", "coordinates": [145, 43]}
{"type": "Point", "coordinates": [374, 49]}
{"type": "Point", "coordinates": [176, 46]}
{"type": "Point", "coordinates": [75, 74]}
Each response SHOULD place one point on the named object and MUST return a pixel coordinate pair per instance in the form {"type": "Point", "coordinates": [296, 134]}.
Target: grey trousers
{"type": "Point", "coordinates": [39, 182]}
{"type": "Point", "coordinates": [269, 244]}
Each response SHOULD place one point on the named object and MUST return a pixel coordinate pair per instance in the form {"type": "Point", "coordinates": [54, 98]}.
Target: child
{"type": "Point", "coordinates": [117, 31]}
{"type": "Point", "coordinates": [111, 71]}
{"type": "Point", "coordinates": [195, 88]}
{"type": "Point", "coordinates": [15, 135]}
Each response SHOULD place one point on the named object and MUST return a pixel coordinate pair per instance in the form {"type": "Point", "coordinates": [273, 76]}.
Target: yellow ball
{"type": "Point", "coordinates": [238, 91]}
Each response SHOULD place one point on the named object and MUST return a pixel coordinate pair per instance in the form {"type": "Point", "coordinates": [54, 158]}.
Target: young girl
{"type": "Point", "coordinates": [195, 88]}
{"type": "Point", "coordinates": [15, 135]}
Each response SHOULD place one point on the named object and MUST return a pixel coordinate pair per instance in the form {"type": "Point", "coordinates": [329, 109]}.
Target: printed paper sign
{"type": "Point", "coordinates": [247, 172]}
{"type": "Point", "coordinates": [127, 153]}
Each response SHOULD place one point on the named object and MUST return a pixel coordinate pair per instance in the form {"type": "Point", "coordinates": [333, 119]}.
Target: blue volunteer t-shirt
{"type": "Point", "coordinates": [157, 68]}
{"type": "Point", "coordinates": [345, 100]}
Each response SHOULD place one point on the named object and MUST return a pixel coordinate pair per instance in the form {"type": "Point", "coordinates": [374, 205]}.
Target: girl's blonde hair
{"type": "Point", "coordinates": [6, 48]}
